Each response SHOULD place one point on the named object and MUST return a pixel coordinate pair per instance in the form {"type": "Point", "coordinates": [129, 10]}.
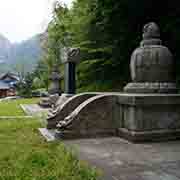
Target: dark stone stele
{"type": "Point", "coordinates": [72, 57]}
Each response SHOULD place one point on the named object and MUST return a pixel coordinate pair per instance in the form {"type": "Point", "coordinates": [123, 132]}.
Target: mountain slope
{"type": "Point", "coordinates": [5, 48]}
{"type": "Point", "coordinates": [25, 54]}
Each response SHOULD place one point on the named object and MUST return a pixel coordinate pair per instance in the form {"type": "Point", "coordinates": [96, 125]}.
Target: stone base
{"type": "Point", "coordinates": [165, 87]}
{"type": "Point", "coordinates": [149, 136]}
{"type": "Point", "coordinates": [65, 134]}
{"type": "Point", "coordinates": [149, 117]}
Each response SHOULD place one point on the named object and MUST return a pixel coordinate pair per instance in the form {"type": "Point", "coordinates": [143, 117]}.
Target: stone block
{"type": "Point", "coordinates": [150, 116]}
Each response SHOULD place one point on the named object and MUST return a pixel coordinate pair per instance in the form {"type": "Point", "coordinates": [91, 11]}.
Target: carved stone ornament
{"type": "Point", "coordinates": [152, 65]}
{"type": "Point", "coordinates": [70, 55]}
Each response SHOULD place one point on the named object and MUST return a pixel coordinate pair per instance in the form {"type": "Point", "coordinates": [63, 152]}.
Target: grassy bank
{"type": "Point", "coordinates": [12, 107]}
{"type": "Point", "coordinates": [26, 156]}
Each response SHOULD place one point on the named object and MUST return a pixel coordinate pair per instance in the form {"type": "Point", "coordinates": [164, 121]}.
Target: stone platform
{"type": "Point", "coordinates": [136, 117]}
{"type": "Point", "coordinates": [149, 117]}
{"type": "Point", "coordinates": [122, 160]}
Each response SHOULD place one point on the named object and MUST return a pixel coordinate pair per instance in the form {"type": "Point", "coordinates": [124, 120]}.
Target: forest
{"type": "Point", "coordinates": [107, 32]}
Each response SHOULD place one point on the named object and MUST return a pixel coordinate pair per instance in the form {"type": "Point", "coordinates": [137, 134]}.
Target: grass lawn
{"type": "Point", "coordinates": [26, 156]}
{"type": "Point", "coordinates": [12, 107]}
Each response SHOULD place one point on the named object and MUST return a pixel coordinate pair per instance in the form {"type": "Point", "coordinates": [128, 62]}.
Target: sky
{"type": "Point", "coordinates": [21, 19]}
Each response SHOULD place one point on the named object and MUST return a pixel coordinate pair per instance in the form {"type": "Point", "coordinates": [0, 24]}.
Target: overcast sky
{"type": "Point", "coordinates": [21, 19]}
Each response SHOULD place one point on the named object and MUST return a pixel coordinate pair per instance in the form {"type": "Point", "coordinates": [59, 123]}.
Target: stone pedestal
{"type": "Point", "coordinates": [149, 117]}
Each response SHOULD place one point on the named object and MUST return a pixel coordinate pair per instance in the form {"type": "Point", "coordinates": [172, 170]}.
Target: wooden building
{"type": "Point", "coordinates": [8, 83]}
{"type": "Point", "coordinates": [4, 89]}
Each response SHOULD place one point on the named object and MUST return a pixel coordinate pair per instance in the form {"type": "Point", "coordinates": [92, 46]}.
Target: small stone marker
{"type": "Point", "coordinates": [49, 135]}
{"type": "Point", "coordinates": [55, 87]}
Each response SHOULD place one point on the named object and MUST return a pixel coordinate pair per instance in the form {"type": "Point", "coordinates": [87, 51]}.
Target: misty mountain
{"type": "Point", "coordinates": [5, 48]}
{"type": "Point", "coordinates": [19, 56]}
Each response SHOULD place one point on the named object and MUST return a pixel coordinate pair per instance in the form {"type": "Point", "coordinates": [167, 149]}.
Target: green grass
{"type": "Point", "coordinates": [26, 156]}
{"type": "Point", "coordinates": [12, 107]}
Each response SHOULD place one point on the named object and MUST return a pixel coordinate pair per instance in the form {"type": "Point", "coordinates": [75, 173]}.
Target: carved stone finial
{"type": "Point", "coordinates": [73, 54]}
{"type": "Point", "coordinates": [151, 31]}
{"type": "Point", "coordinates": [70, 55]}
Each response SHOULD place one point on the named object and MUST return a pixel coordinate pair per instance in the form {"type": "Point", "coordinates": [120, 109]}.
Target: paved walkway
{"type": "Point", "coordinates": [121, 160]}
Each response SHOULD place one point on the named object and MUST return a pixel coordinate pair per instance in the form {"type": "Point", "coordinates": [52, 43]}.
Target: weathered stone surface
{"type": "Point", "coordinates": [65, 109]}
{"type": "Point", "coordinates": [94, 117]}
{"type": "Point", "coordinates": [122, 160]}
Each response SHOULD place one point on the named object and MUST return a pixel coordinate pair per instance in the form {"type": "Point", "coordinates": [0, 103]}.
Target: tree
{"type": "Point", "coordinates": [107, 32]}
{"type": "Point", "coordinates": [41, 72]}
{"type": "Point", "coordinates": [25, 86]}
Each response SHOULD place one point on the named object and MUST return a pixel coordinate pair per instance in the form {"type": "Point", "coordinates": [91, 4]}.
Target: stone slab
{"type": "Point", "coordinates": [33, 109]}
{"type": "Point", "coordinates": [119, 159]}
{"type": "Point", "coordinates": [148, 99]}
{"type": "Point", "coordinates": [49, 135]}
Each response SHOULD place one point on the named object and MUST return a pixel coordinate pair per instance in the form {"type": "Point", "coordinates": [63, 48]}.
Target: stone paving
{"type": "Point", "coordinates": [122, 160]}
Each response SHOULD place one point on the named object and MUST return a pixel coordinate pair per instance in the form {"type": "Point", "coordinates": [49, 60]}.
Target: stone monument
{"type": "Point", "coordinates": [70, 57]}
{"type": "Point", "coordinates": [148, 110]}
{"type": "Point", "coordinates": [152, 65]}
{"type": "Point", "coordinates": [55, 78]}
{"type": "Point", "coordinates": [54, 89]}
{"type": "Point", "coordinates": [151, 107]}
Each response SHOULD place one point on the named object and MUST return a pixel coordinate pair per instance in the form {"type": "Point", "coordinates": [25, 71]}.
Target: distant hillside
{"type": "Point", "coordinates": [5, 48]}
{"type": "Point", "coordinates": [22, 55]}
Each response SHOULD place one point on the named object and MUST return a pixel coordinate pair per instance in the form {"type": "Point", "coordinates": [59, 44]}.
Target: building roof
{"type": "Point", "coordinates": [10, 75]}
{"type": "Point", "coordinates": [4, 86]}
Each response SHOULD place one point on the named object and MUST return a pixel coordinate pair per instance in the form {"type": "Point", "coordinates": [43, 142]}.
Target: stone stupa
{"type": "Point", "coordinates": [151, 105]}
{"type": "Point", "coordinates": [152, 65]}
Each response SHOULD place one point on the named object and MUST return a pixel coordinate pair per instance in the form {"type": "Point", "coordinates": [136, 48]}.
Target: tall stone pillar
{"type": "Point", "coordinates": [70, 58]}
{"type": "Point", "coordinates": [70, 78]}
